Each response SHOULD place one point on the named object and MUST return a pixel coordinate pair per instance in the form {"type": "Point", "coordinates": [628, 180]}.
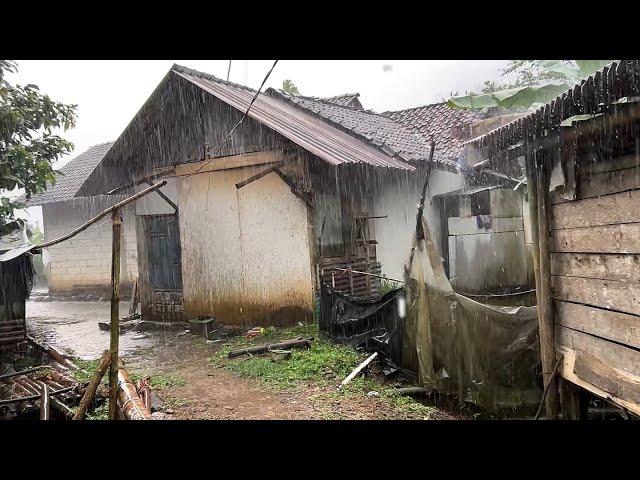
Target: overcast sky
{"type": "Point", "coordinates": [109, 93]}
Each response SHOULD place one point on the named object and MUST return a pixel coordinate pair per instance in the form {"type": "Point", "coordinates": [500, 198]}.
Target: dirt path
{"type": "Point", "coordinates": [189, 386]}
{"type": "Point", "coordinates": [212, 393]}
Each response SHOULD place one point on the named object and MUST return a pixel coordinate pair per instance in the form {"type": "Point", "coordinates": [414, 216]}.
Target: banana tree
{"type": "Point", "coordinates": [566, 73]}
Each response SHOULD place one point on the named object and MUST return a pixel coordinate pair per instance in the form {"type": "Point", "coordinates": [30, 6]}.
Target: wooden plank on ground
{"type": "Point", "coordinates": [623, 238]}
{"type": "Point", "coordinates": [595, 265]}
{"type": "Point", "coordinates": [567, 371]}
{"type": "Point", "coordinates": [606, 210]}
{"type": "Point", "coordinates": [608, 294]}
{"type": "Point", "coordinates": [619, 327]}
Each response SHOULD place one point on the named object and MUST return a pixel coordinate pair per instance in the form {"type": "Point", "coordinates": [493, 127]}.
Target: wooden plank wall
{"type": "Point", "coordinates": [595, 267]}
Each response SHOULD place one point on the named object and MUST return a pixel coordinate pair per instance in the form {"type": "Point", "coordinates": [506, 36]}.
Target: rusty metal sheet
{"type": "Point", "coordinates": [312, 134]}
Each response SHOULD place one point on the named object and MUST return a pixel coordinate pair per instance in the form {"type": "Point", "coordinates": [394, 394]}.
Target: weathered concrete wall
{"type": "Point", "coordinates": [82, 264]}
{"type": "Point", "coordinates": [398, 198]}
{"type": "Point", "coordinates": [489, 262]}
{"type": "Point", "coordinates": [245, 252]}
{"type": "Point", "coordinates": [490, 253]}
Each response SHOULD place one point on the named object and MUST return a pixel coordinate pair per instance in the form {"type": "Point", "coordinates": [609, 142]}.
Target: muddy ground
{"type": "Point", "coordinates": [189, 385]}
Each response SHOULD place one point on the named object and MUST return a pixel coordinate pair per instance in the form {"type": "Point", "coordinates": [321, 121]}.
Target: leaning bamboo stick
{"type": "Point", "coordinates": [90, 392]}
{"type": "Point", "coordinates": [113, 208]}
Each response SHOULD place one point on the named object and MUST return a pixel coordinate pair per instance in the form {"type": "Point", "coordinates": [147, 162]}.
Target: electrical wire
{"type": "Point", "coordinates": [228, 137]}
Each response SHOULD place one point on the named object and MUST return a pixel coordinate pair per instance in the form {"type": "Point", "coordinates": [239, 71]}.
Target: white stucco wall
{"type": "Point", "coordinates": [398, 199]}
{"type": "Point", "coordinates": [154, 204]}
{"type": "Point", "coordinates": [83, 263]}
{"type": "Point", "coordinates": [246, 252]}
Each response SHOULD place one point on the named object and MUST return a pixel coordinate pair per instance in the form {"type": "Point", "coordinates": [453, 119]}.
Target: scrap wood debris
{"type": "Point", "coordinates": [51, 384]}
{"type": "Point", "coordinates": [296, 343]}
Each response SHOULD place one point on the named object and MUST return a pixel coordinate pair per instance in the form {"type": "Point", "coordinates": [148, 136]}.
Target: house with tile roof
{"type": "Point", "coordinates": [81, 266]}
{"type": "Point", "coordinates": [250, 225]}
{"type": "Point", "coordinates": [480, 227]}
{"type": "Point", "coordinates": [346, 100]}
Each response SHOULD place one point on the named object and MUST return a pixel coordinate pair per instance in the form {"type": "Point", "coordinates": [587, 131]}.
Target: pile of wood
{"type": "Point", "coordinates": [53, 387]}
{"type": "Point", "coordinates": [130, 405]}
{"type": "Point", "coordinates": [45, 387]}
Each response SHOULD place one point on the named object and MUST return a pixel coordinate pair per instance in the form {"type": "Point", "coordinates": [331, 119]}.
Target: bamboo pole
{"type": "Point", "coordinates": [44, 402]}
{"type": "Point", "coordinates": [133, 407]}
{"type": "Point", "coordinates": [116, 220]}
{"type": "Point", "coordinates": [90, 392]}
{"type": "Point", "coordinates": [545, 302]}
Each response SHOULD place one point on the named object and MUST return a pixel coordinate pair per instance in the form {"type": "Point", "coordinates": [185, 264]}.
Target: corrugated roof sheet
{"type": "Point", "coordinates": [370, 127]}
{"type": "Point", "coordinates": [310, 132]}
{"type": "Point", "coordinates": [439, 122]}
{"type": "Point", "coordinates": [73, 176]}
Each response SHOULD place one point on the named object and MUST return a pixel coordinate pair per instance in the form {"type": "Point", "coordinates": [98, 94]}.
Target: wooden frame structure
{"type": "Point", "coordinates": [581, 155]}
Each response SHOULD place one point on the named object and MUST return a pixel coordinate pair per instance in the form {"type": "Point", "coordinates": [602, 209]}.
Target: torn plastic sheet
{"type": "Point", "coordinates": [374, 326]}
{"type": "Point", "coordinates": [490, 353]}
{"type": "Point", "coordinates": [564, 171]}
{"type": "Point", "coordinates": [14, 240]}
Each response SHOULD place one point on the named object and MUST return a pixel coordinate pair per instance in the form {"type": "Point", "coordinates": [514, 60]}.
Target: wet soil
{"type": "Point", "coordinates": [73, 327]}
{"type": "Point", "coordinates": [195, 388]}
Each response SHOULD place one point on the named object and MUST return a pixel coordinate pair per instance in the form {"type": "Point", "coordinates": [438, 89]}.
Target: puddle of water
{"type": "Point", "coordinates": [73, 327]}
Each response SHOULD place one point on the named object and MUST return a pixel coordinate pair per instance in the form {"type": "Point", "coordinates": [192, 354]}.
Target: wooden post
{"type": "Point", "coordinates": [116, 219]}
{"type": "Point", "coordinates": [87, 398]}
{"type": "Point", "coordinates": [544, 294]}
{"type": "Point", "coordinates": [532, 194]}
{"type": "Point", "coordinates": [44, 402]}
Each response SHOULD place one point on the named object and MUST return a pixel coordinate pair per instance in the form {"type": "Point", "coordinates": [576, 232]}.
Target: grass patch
{"type": "Point", "coordinates": [89, 367]}
{"type": "Point", "coordinates": [409, 406]}
{"type": "Point", "coordinates": [324, 364]}
{"type": "Point", "coordinates": [175, 402]}
{"type": "Point", "coordinates": [166, 380]}
{"type": "Point", "coordinates": [100, 413]}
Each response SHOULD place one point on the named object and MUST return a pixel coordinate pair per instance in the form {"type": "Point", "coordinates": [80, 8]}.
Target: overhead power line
{"type": "Point", "coordinates": [228, 137]}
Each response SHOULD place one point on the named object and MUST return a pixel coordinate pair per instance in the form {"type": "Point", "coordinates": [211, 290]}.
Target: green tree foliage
{"type": "Point", "coordinates": [289, 87]}
{"type": "Point", "coordinates": [535, 82]}
{"type": "Point", "coordinates": [28, 146]}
